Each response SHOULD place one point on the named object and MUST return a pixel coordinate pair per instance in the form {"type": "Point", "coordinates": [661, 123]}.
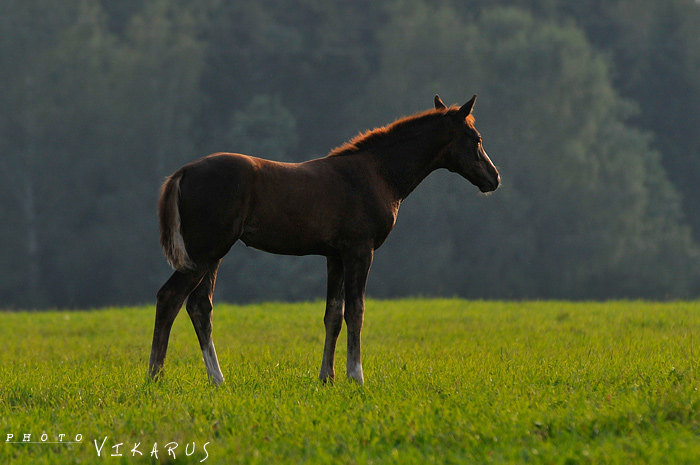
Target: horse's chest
{"type": "Point", "coordinates": [385, 223]}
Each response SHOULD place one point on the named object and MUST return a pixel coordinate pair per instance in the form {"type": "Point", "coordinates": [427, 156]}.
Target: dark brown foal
{"type": "Point", "coordinates": [342, 206]}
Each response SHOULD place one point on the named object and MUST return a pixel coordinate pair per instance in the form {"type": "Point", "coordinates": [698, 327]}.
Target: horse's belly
{"type": "Point", "coordinates": [284, 240]}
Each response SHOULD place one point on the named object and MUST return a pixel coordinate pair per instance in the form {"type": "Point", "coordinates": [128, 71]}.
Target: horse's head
{"type": "Point", "coordinates": [465, 154]}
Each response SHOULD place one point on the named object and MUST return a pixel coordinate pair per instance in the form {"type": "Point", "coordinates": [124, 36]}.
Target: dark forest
{"type": "Point", "coordinates": [589, 110]}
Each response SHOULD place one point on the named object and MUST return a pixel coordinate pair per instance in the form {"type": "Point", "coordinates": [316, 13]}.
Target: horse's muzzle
{"type": "Point", "coordinates": [490, 184]}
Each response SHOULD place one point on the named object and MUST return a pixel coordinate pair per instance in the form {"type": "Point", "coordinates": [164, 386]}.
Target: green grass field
{"type": "Point", "coordinates": [447, 381]}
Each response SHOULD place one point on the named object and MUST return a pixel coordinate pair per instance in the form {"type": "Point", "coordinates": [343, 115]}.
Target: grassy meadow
{"type": "Point", "coordinates": [447, 381]}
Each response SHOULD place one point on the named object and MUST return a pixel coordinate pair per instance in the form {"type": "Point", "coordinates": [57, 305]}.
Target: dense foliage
{"type": "Point", "coordinates": [589, 109]}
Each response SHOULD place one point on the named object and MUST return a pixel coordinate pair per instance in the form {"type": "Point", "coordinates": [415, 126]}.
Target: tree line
{"type": "Point", "coordinates": [589, 110]}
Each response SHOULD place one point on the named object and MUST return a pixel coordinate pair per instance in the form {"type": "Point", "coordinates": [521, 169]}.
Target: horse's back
{"type": "Point", "coordinates": [316, 207]}
{"type": "Point", "coordinates": [285, 208]}
{"type": "Point", "coordinates": [295, 208]}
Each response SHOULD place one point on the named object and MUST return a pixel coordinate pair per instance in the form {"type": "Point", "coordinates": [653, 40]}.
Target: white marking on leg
{"type": "Point", "coordinates": [355, 372]}
{"type": "Point", "coordinates": [212, 363]}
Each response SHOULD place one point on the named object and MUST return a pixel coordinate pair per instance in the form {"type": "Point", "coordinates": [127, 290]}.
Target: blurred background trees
{"type": "Point", "coordinates": [589, 109]}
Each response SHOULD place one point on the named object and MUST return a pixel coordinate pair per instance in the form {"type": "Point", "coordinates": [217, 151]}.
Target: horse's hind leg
{"type": "Point", "coordinates": [170, 299]}
{"type": "Point", "coordinates": [333, 319]}
{"type": "Point", "coordinates": [200, 307]}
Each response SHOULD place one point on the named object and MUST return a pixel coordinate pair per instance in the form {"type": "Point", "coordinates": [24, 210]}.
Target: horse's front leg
{"type": "Point", "coordinates": [333, 319]}
{"type": "Point", "coordinates": [356, 267]}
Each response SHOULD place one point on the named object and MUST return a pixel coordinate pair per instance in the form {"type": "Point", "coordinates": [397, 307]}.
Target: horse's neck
{"type": "Point", "coordinates": [408, 162]}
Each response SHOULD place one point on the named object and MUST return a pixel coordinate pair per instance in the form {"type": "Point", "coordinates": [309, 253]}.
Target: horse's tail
{"type": "Point", "coordinates": [169, 217]}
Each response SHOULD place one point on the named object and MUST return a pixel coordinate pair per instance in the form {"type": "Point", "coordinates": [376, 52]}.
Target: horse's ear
{"type": "Point", "coordinates": [466, 109]}
{"type": "Point", "coordinates": [438, 103]}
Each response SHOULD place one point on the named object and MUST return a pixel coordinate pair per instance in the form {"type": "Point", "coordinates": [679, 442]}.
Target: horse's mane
{"type": "Point", "coordinates": [366, 139]}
